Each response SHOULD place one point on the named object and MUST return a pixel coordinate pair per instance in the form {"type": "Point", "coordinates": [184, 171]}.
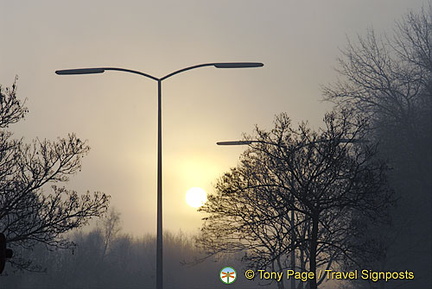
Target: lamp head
{"type": "Point", "coordinates": [80, 71]}
{"type": "Point", "coordinates": [238, 64]}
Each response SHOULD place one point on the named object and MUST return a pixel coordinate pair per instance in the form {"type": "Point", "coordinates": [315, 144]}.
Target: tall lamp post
{"type": "Point", "coordinates": [159, 244]}
{"type": "Point", "coordinates": [249, 142]}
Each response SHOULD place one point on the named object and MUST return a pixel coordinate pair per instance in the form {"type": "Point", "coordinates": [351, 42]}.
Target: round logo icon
{"type": "Point", "coordinates": [228, 275]}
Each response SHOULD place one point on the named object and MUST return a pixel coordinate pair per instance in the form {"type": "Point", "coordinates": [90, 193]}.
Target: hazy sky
{"type": "Point", "coordinates": [298, 41]}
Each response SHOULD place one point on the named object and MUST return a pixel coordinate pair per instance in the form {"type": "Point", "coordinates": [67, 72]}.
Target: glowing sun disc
{"type": "Point", "coordinates": [196, 197]}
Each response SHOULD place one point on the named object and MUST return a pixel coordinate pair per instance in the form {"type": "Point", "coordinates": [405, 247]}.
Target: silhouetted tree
{"type": "Point", "coordinates": [29, 212]}
{"type": "Point", "coordinates": [389, 80]}
{"type": "Point", "coordinates": [330, 181]}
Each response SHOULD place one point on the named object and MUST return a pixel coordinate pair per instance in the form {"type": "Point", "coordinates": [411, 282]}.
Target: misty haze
{"type": "Point", "coordinates": [209, 144]}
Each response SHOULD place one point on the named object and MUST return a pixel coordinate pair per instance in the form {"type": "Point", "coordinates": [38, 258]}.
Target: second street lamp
{"type": "Point", "coordinates": [95, 70]}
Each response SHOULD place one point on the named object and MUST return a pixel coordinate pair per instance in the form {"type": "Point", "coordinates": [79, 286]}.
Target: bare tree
{"type": "Point", "coordinates": [388, 79]}
{"type": "Point", "coordinates": [29, 212]}
{"type": "Point", "coordinates": [110, 227]}
{"type": "Point", "coordinates": [324, 177]}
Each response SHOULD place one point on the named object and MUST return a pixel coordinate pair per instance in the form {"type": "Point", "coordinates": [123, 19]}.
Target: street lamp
{"type": "Point", "coordinates": [94, 70]}
{"type": "Point", "coordinates": [249, 142]}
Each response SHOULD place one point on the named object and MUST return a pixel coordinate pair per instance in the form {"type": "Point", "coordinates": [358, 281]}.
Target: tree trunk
{"type": "Point", "coordinates": [313, 251]}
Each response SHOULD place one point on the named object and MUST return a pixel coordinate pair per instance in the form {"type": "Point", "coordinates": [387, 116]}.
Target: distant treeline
{"type": "Point", "coordinates": [106, 258]}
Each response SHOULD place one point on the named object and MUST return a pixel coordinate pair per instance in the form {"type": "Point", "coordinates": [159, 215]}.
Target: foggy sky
{"type": "Point", "coordinates": [298, 41]}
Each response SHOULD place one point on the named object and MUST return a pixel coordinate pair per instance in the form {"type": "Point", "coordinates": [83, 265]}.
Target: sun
{"type": "Point", "coordinates": [196, 197]}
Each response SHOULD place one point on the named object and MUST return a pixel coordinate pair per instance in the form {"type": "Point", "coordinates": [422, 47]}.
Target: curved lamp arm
{"type": "Point", "coordinates": [101, 70]}
{"type": "Point", "coordinates": [248, 142]}
{"type": "Point", "coordinates": [217, 65]}
{"type": "Point", "coordinates": [95, 70]}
